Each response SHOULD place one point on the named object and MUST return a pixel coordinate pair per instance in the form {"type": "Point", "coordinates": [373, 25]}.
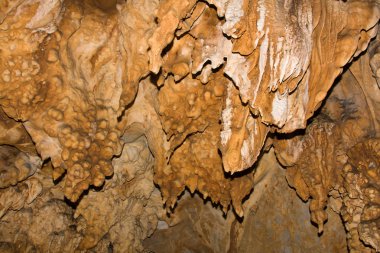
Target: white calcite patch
{"type": "Point", "coordinates": [47, 15]}
{"type": "Point", "coordinates": [260, 23]}
{"type": "Point", "coordinates": [279, 109]}
{"type": "Point", "coordinates": [262, 63]}
{"type": "Point", "coordinates": [237, 68]}
{"type": "Point", "coordinates": [245, 152]}
{"type": "Point", "coordinates": [225, 134]}
{"type": "Point", "coordinates": [233, 14]}
{"type": "Point", "coordinates": [262, 11]}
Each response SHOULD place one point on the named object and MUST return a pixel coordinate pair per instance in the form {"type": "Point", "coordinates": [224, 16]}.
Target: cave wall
{"type": "Point", "coordinates": [275, 220]}
{"type": "Point", "coordinates": [118, 117]}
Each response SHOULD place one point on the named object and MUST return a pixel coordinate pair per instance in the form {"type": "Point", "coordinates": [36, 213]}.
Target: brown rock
{"type": "Point", "coordinates": [110, 111]}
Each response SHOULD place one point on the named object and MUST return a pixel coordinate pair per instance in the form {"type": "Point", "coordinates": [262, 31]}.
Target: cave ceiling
{"type": "Point", "coordinates": [113, 112]}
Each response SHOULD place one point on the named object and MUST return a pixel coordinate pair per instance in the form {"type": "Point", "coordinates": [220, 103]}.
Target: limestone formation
{"type": "Point", "coordinates": [118, 117]}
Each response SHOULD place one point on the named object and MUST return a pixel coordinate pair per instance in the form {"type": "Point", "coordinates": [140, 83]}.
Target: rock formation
{"type": "Point", "coordinates": [118, 117]}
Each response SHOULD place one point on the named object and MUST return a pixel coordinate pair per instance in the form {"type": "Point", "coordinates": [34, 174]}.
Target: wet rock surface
{"type": "Point", "coordinates": [178, 126]}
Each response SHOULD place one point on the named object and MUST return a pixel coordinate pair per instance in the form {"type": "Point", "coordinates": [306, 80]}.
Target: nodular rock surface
{"type": "Point", "coordinates": [189, 126]}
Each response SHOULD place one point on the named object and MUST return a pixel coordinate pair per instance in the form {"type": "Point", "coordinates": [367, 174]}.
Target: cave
{"type": "Point", "coordinates": [165, 126]}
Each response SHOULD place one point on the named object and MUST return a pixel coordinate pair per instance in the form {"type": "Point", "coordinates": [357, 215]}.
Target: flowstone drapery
{"type": "Point", "coordinates": [111, 110]}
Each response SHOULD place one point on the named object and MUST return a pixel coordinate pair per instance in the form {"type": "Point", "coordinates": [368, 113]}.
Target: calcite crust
{"type": "Point", "coordinates": [111, 110]}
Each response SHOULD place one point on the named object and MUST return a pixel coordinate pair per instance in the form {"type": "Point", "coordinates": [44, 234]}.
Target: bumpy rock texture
{"type": "Point", "coordinates": [110, 111]}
